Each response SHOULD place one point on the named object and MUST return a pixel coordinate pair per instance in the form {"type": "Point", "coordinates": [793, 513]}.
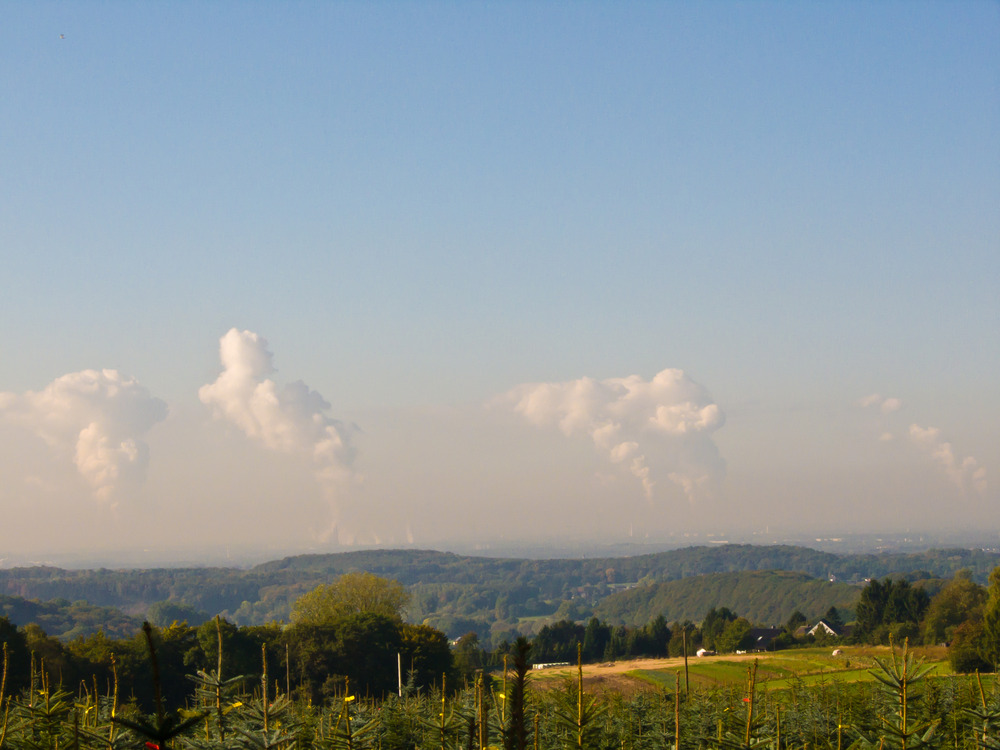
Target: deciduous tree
{"type": "Point", "coordinates": [991, 621]}
{"type": "Point", "coordinates": [351, 594]}
{"type": "Point", "coordinates": [959, 601]}
{"type": "Point", "coordinates": [735, 637]}
{"type": "Point", "coordinates": [714, 624]}
{"type": "Point", "coordinates": [426, 652]}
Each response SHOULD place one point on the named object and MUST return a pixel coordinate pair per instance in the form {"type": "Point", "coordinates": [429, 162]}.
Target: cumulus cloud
{"type": "Point", "coordinates": [967, 474]}
{"type": "Point", "coordinates": [96, 419]}
{"type": "Point", "coordinates": [668, 419]}
{"type": "Point", "coordinates": [292, 419]}
{"type": "Point", "coordinates": [885, 405]}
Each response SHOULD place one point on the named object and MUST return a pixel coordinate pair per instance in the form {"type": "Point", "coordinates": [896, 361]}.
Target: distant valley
{"type": "Point", "coordinates": [495, 597]}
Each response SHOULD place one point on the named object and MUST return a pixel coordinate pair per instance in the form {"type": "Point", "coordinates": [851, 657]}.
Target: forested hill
{"type": "Point", "coordinates": [459, 593]}
{"type": "Point", "coordinates": [762, 597]}
{"type": "Point", "coordinates": [67, 620]}
{"type": "Point", "coordinates": [420, 566]}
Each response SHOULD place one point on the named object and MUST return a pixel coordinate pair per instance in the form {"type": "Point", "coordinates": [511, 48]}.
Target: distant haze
{"type": "Point", "coordinates": [497, 276]}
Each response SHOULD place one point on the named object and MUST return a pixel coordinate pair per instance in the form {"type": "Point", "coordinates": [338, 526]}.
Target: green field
{"type": "Point", "coordinates": [782, 669]}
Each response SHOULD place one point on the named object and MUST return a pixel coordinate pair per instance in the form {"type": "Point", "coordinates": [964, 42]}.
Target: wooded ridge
{"type": "Point", "coordinates": [458, 593]}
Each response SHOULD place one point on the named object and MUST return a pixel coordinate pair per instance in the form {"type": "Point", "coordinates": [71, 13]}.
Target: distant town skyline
{"type": "Point", "coordinates": [331, 275]}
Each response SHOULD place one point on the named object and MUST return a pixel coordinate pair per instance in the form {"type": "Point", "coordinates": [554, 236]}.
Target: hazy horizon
{"type": "Point", "coordinates": [328, 276]}
{"type": "Point", "coordinates": [562, 547]}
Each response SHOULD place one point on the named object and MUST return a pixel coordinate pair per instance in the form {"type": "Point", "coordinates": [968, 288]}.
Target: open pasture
{"type": "Point", "coordinates": [775, 671]}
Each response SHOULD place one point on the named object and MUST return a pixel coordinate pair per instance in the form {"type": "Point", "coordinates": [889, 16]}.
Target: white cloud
{"type": "Point", "coordinates": [885, 405]}
{"type": "Point", "coordinates": [890, 405]}
{"type": "Point", "coordinates": [667, 420]}
{"type": "Point", "coordinates": [967, 474]}
{"type": "Point", "coordinates": [292, 419]}
{"type": "Point", "coordinates": [96, 419]}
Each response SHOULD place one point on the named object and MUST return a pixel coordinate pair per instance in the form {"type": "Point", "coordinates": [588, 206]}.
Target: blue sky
{"type": "Point", "coordinates": [423, 207]}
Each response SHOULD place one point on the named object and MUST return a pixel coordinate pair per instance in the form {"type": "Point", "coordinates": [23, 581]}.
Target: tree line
{"type": "Point", "coordinates": [348, 632]}
{"type": "Point", "coordinates": [962, 614]}
{"type": "Point", "coordinates": [352, 632]}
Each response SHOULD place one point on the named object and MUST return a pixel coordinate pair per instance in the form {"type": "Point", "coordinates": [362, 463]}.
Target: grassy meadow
{"type": "Point", "coordinates": [775, 671]}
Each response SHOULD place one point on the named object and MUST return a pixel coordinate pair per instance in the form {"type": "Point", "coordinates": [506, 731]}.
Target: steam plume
{"type": "Point", "coordinates": [292, 420]}
{"type": "Point", "coordinates": [967, 474]}
{"type": "Point", "coordinates": [669, 418]}
{"type": "Point", "coordinates": [96, 418]}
